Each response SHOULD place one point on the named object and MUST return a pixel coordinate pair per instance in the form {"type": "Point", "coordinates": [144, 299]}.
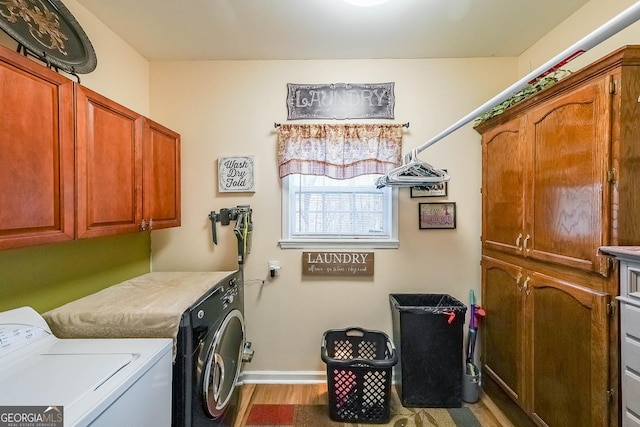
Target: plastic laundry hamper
{"type": "Point", "coordinates": [359, 369]}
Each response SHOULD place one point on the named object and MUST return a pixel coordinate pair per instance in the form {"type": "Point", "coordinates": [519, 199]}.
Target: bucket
{"type": "Point", "coordinates": [470, 387]}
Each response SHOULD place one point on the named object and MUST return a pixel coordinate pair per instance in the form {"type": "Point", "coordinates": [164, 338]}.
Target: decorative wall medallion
{"type": "Point", "coordinates": [235, 174]}
{"type": "Point", "coordinates": [48, 31]}
{"type": "Point", "coordinates": [340, 101]}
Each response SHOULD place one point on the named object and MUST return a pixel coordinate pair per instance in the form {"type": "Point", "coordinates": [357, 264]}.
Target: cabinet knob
{"type": "Point", "coordinates": [525, 243]}
{"type": "Point", "coordinates": [518, 281]}
{"type": "Point", "coordinates": [143, 225]}
{"type": "Point", "coordinates": [151, 224]}
{"type": "Point", "coordinates": [518, 241]}
{"type": "Point", "coordinates": [525, 286]}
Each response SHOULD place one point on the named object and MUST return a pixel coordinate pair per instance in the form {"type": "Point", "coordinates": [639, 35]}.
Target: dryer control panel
{"type": "Point", "coordinates": [230, 292]}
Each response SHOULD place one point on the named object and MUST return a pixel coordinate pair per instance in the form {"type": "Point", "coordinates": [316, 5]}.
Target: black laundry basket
{"type": "Point", "coordinates": [427, 331]}
{"type": "Point", "coordinates": [359, 369]}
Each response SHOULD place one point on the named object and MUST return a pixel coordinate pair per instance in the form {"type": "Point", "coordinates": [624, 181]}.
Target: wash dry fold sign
{"type": "Point", "coordinates": [337, 263]}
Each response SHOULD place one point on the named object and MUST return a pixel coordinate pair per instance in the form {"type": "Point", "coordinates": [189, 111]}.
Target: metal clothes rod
{"type": "Point", "coordinates": [613, 26]}
{"type": "Point", "coordinates": [276, 125]}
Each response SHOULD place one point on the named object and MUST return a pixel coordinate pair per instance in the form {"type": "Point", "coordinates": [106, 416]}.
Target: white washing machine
{"type": "Point", "coordinates": [84, 382]}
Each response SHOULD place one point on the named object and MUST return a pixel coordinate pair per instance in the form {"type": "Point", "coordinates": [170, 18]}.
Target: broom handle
{"type": "Point", "coordinates": [613, 26]}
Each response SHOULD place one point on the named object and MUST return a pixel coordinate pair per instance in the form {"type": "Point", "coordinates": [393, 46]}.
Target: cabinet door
{"type": "Point", "coordinates": [503, 327]}
{"type": "Point", "coordinates": [109, 166]}
{"type": "Point", "coordinates": [569, 141]}
{"type": "Point", "coordinates": [503, 172]}
{"type": "Point", "coordinates": [161, 176]}
{"type": "Point", "coordinates": [36, 160]}
{"type": "Point", "coordinates": [569, 368]}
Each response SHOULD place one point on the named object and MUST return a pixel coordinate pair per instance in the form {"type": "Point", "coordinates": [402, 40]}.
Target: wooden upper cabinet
{"type": "Point", "coordinates": [78, 165]}
{"type": "Point", "coordinates": [544, 179]}
{"type": "Point", "coordinates": [560, 168]}
{"type": "Point", "coordinates": [161, 190]}
{"type": "Point", "coordinates": [36, 154]}
{"type": "Point", "coordinates": [568, 141]}
{"type": "Point", "coordinates": [503, 176]}
{"type": "Point", "coordinates": [128, 169]}
{"type": "Point", "coordinates": [109, 166]}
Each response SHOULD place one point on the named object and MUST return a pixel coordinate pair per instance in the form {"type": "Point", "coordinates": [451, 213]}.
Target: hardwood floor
{"type": "Point", "coordinates": [316, 394]}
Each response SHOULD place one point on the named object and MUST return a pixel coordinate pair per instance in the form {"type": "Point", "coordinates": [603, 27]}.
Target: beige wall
{"type": "Point", "coordinates": [229, 108]}
{"type": "Point", "coordinates": [122, 74]}
{"type": "Point", "coordinates": [579, 25]}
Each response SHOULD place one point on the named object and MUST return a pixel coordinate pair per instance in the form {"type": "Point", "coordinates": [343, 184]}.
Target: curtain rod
{"type": "Point", "coordinates": [276, 125]}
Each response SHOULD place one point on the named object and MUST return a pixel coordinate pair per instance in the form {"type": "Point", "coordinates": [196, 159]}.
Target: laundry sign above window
{"type": "Point", "coordinates": [340, 101]}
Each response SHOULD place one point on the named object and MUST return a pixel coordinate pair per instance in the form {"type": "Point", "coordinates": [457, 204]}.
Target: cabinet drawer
{"type": "Point", "coordinates": [631, 355]}
{"type": "Point", "coordinates": [631, 395]}
{"type": "Point", "coordinates": [630, 420]}
{"type": "Point", "coordinates": [630, 318]}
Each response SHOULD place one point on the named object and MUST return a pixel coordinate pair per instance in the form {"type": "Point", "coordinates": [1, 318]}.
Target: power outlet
{"type": "Point", "coordinates": [274, 266]}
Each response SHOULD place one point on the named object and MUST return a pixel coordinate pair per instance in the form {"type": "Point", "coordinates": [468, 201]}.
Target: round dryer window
{"type": "Point", "coordinates": [224, 361]}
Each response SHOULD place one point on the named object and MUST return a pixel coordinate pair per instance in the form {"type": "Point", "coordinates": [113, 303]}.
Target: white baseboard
{"type": "Point", "coordinates": [283, 377]}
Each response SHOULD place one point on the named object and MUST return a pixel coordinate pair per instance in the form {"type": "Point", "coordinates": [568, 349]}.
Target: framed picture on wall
{"type": "Point", "coordinates": [436, 190]}
{"type": "Point", "coordinates": [437, 215]}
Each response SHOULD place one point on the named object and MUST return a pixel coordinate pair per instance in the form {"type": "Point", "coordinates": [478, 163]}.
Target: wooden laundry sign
{"type": "Point", "coordinates": [340, 101]}
{"type": "Point", "coordinates": [337, 263]}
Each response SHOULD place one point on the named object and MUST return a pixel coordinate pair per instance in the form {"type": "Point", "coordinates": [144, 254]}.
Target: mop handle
{"type": "Point", "coordinates": [613, 26]}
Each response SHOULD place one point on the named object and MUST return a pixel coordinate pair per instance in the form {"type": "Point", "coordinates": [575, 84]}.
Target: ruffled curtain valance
{"type": "Point", "coordinates": [338, 151]}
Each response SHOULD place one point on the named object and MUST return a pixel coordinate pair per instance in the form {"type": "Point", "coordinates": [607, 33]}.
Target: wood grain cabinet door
{"type": "Point", "coordinates": [109, 166]}
{"type": "Point", "coordinates": [36, 154]}
{"type": "Point", "coordinates": [503, 328]}
{"type": "Point", "coordinates": [569, 366]}
{"type": "Point", "coordinates": [161, 176]}
{"type": "Point", "coordinates": [503, 178]}
{"type": "Point", "coordinates": [569, 141]}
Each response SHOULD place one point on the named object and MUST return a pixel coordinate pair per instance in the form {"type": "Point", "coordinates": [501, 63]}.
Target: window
{"type": "Point", "coordinates": [319, 211]}
{"type": "Point", "coordinates": [329, 196]}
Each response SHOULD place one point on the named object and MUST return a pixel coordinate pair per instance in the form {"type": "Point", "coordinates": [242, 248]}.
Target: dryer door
{"type": "Point", "coordinates": [223, 363]}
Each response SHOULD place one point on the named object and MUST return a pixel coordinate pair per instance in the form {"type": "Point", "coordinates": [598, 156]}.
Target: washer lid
{"type": "Point", "coordinates": [59, 379]}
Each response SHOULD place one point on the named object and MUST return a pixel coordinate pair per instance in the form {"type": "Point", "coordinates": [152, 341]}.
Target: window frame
{"type": "Point", "coordinates": [287, 241]}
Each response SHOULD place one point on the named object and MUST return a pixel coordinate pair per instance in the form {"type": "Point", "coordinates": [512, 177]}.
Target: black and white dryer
{"type": "Point", "coordinates": [212, 336]}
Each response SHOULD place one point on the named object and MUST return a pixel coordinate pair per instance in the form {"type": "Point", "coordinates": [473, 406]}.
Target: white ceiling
{"type": "Point", "coordinates": [329, 29]}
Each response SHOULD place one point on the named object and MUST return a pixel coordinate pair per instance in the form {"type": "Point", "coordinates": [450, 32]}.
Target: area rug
{"type": "Point", "coordinates": [318, 416]}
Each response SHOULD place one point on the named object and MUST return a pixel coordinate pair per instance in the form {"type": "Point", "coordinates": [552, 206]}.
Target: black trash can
{"type": "Point", "coordinates": [427, 333]}
{"type": "Point", "coordinates": [359, 371]}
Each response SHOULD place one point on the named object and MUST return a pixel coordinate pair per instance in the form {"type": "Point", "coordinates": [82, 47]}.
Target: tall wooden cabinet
{"type": "Point", "coordinates": [560, 179]}
{"type": "Point", "coordinates": [75, 164]}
